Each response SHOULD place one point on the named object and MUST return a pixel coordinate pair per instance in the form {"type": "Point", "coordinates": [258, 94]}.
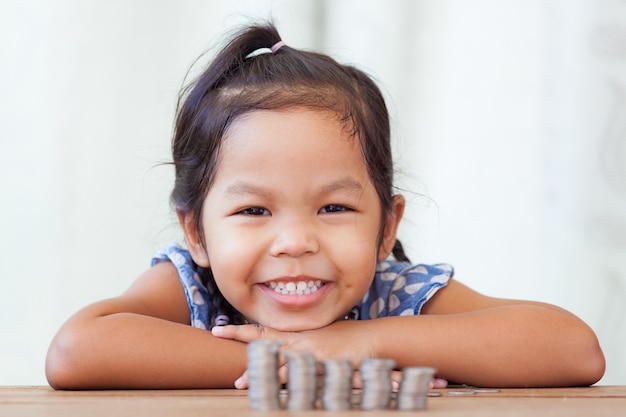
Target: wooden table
{"type": "Point", "coordinates": [43, 401]}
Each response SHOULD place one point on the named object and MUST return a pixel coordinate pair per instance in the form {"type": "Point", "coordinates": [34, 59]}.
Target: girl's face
{"type": "Point", "coordinates": [292, 220]}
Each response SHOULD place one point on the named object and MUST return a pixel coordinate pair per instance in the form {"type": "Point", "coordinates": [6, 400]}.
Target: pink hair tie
{"type": "Point", "coordinates": [222, 320]}
{"type": "Point", "coordinates": [262, 51]}
{"type": "Point", "coordinates": [277, 46]}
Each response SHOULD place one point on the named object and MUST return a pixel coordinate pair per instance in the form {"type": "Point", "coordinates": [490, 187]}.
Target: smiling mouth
{"type": "Point", "coordinates": [295, 287]}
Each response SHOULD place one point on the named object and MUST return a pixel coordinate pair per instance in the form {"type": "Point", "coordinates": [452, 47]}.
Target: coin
{"type": "Point", "coordinates": [414, 387]}
{"type": "Point", "coordinates": [263, 383]}
{"type": "Point", "coordinates": [376, 377]}
{"type": "Point", "coordinates": [302, 380]}
{"type": "Point", "coordinates": [337, 384]}
{"type": "Point", "coordinates": [461, 392]}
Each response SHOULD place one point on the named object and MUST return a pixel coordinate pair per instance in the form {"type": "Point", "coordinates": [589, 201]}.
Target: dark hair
{"type": "Point", "coordinates": [233, 85]}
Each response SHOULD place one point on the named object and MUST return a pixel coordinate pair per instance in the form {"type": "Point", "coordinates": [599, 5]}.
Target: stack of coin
{"type": "Point", "coordinates": [263, 386]}
{"type": "Point", "coordinates": [414, 387]}
{"type": "Point", "coordinates": [302, 380]}
{"type": "Point", "coordinates": [337, 388]}
{"type": "Point", "coordinates": [376, 377]}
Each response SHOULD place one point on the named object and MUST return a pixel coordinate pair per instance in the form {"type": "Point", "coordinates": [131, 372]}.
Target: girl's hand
{"type": "Point", "coordinates": [343, 339]}
{"type": "Point", "coordinates": [326, 342]}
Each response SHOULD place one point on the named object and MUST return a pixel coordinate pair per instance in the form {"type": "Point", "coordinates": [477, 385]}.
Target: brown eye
{"type": "Point", "coordinates": [333, 208]}
{"type": "Point", "coordinates": [255, 211]}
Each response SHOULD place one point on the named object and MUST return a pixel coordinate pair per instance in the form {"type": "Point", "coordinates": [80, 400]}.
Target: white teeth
{"type": "Point", "coordinates": [295, 288]}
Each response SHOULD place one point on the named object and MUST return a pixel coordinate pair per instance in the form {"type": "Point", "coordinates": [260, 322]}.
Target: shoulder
{"type": "Point", "coordinates": [159, 293]}
{"type": "Point", "coordinates": [400, 288]}
{"type": "Point", "coordinates": [404, 271]}
{"type": "Point", "coordinates": [182, 261]}
{"type": "Point", "coordinates": [195, 291]}
{"type": "Point", "coordinates": [175, 254]}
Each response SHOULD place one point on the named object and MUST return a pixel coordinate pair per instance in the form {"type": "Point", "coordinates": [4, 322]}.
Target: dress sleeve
{"type": "Point", "coordinates": [401, 289]}
{"type": "Point", "coordinates": [196, 293]}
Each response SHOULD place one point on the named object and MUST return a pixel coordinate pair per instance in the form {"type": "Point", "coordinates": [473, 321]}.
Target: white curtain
{"type": "Point", "coordinates": [509, 124]}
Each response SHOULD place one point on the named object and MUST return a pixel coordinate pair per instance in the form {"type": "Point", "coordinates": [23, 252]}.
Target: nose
{"type": "Point", "coordinates": [294, 239]}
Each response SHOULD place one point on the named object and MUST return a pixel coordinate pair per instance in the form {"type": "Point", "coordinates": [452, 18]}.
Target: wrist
{"type": "Point", "coordinates": [385, 337]}
{"type": "Point", "coordinates": [370, 338]}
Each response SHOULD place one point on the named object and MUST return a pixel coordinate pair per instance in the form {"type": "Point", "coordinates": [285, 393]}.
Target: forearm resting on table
{"type": "Point", "coordinates": [126, 350]}
{"type": "Point", "coordinates": [507, 346]}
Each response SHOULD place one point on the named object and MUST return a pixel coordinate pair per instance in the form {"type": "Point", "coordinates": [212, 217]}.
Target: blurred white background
{"type": "Point", "coordinates": [509, 129]}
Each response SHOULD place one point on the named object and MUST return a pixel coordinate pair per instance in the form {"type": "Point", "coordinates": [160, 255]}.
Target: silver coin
{"type": "Point", "coordinates": [461, 392]}
{"type": "Point", "coordinates": [263, 385]}
{"type": "Point", "coordinates": [302, 380]}
{"type": "Point", "coordinates": [414, 387]}
{"type": "Point", "coordinates": [337, 384]}
{"type": "Point", "coordinates": [376, 378]}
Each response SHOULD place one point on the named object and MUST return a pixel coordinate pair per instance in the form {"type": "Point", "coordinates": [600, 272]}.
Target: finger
{"type": "Point", "coordinates": [242, 382]}
{"type": "Point", "coordinates": [243, 333]}
{"type": "Point", "coordinates": [357, 382]}
{"type": "Point", "coordinates": [282, 374]}
{"type": "Point", "coordinates": [439, 383]}
{"type": "Point", "coordinates": [396, 377]}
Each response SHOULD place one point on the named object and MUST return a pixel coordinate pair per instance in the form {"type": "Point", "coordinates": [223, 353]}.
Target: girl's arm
{"type": "Point", "coordinates": [142, 339]}
{"type": "Point", "coordinates": [468, 337]}
{"type": "Point", "coordinates": [484, 341]}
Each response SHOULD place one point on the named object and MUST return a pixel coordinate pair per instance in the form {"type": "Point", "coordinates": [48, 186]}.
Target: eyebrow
{"type": "Point", "coordinates": [347, 184]}
{"type": "Point", "coordinates": [245, 188]}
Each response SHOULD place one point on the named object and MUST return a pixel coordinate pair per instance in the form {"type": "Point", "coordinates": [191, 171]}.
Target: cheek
{"type": "Point", "coordinates": [358, 262]}
{"type": "Point", "coordinates": [231, 262]}
{"type": "Point", "coordinates": [228, 260]}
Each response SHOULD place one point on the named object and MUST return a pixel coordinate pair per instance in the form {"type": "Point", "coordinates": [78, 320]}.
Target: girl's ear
{"type": "Point", "coordinates": [391, 227]}
{"type": "Point", "coordinates": [195, 246]}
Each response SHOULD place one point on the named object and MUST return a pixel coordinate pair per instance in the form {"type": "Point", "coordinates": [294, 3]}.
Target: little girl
{"type": "Point", "coordinates": [284, 193]}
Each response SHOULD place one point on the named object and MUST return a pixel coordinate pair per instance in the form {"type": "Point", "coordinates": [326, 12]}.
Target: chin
{"type": "Point", "coordinates": [297, 324]}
